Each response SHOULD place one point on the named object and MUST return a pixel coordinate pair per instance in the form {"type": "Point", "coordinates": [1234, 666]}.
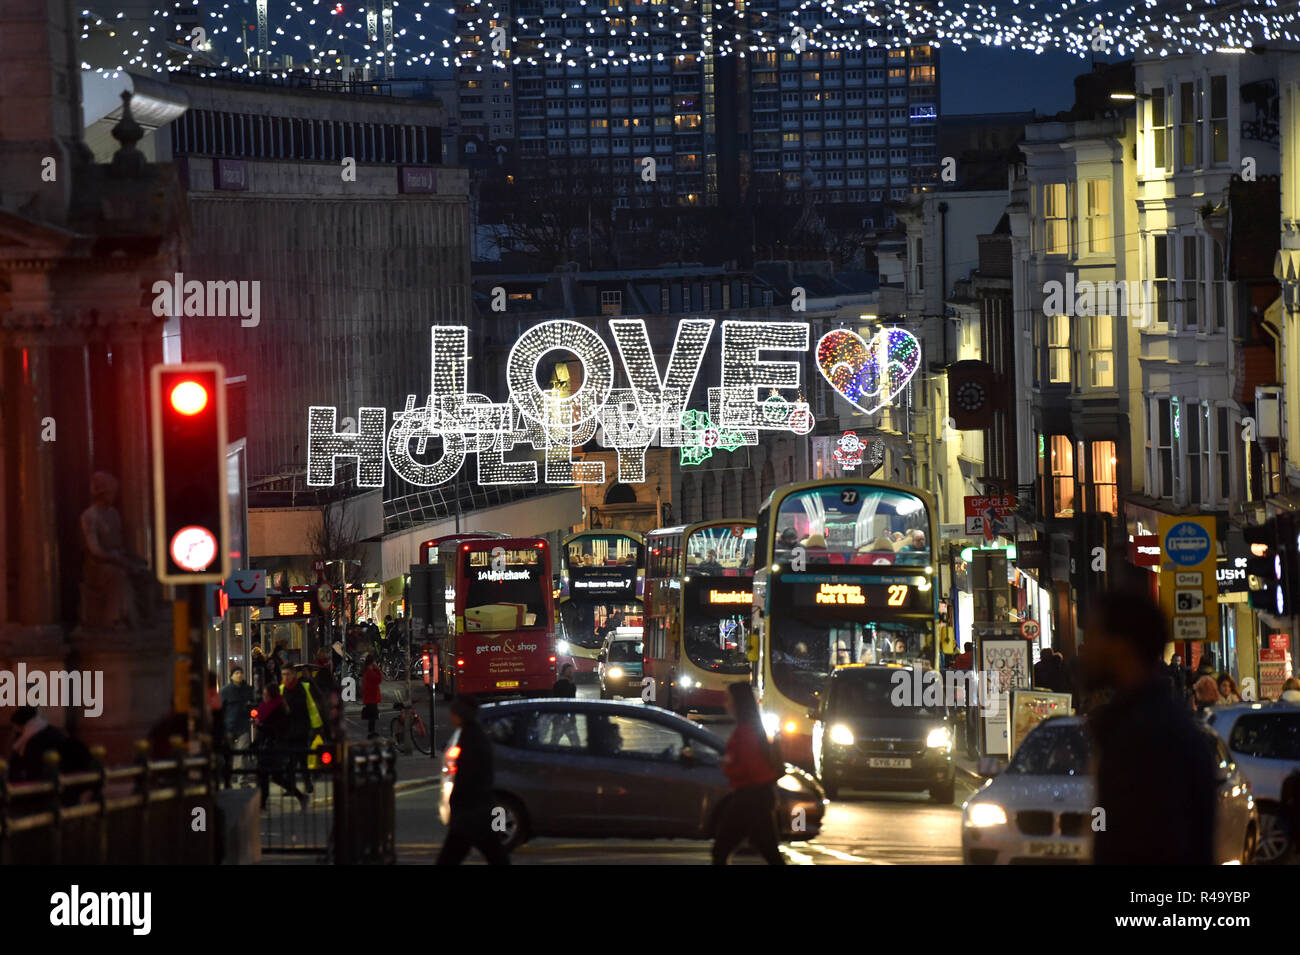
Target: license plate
{"type": "Point", "coordinates": [507, 684]}
{"type": "Point", "coordinates": [1068, 850]}
{"type": "Point", "coordinates": [889, 762]}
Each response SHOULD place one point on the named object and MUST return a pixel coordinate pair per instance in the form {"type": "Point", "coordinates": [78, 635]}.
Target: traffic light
{"type": "Point", "coordinates": [191, 512]}
{"type": "Point", "coordinates": [1273, 567]}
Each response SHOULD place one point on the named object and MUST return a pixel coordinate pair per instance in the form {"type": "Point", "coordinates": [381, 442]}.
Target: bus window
{"type": "Point", "coordinates": [804, 654]}
{"type": "Point", "coordinates": [853, 524]}
{"type": "Point", "coordinates": [512, 598]}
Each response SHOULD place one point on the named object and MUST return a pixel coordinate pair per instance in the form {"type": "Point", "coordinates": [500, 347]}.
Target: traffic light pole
{"type": "Point", "coordinates": [189, 686]}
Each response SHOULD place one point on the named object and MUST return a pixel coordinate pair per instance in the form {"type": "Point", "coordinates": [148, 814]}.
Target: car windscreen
{"type": "Point", "coordinates": [876, 693]}
{"type": "Point", "coordinates": [1267, 735]}
{"type": "Point", "coordinates": [1052, 751]}
{"type": "Point", "coordinates": [625, 651]}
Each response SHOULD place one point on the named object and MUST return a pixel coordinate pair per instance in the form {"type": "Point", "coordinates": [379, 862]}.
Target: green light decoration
{"type": "Point", "coordinates": [701, 437]}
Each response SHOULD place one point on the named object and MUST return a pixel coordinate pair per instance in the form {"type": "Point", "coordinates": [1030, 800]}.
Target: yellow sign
{"type": "Point", "coordinates": [1189, 587]}
{"type": "Point", "coordinates": [730, 597]}
{"type": "Point", "coordinates": [507, 684]}
{"type": "Point", "coordinates": [841, 594]}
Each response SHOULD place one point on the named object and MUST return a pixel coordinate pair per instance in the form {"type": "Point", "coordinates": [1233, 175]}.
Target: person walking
{"type": "Point", "coordinates": [372, 694]}
{"type": "Point", "coordinates": [1290, 691]}
{"type": "Point", "coordinates": [1205, 693]}
{"type": "Point", "coordinates": [1154, 768]}
{"type": "Point", "coordinates": [470, 825]}
{"type": "Point", "coordinates": [273, 757]}
{"type": "Point", "coordinates": [304, 722]}
{"type": "Point", "coordinates": [752, 766]}
{"type": "Point", "coordinates": [564, 686]}
{"type": "Point", "coordinates": [220, 741]}
{"type": "Point", "coordinates": [236, 702]}
{"type": "Point", "coordinates": [1228, 692]}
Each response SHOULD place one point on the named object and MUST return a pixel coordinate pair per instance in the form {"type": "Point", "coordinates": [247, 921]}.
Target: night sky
{"type": "Point", "coordinates": [1002, 81]}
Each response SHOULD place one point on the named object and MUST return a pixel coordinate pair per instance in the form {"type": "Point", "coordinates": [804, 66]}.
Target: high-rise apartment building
{"type": "Point", "coordinates": [824, 125]}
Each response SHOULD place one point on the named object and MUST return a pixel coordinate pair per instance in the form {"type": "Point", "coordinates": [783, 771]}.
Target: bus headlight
{"type": "Point", "coordinates": [841, 735]}
{"type": "Point", "coordinates": [982, 815]}
{"type": "Point", "coordinates": [939, 738]}
{"type": "Point", "coordinates": [562, 646]}
{"type": "Point", "coordinates": [790, 727]}
{"type": "Point", "coordinates": [615, 673]}
{"type": "Point", "coordinates": [685, 682]}
{"type": "Point", "coordinates": [771, 723]}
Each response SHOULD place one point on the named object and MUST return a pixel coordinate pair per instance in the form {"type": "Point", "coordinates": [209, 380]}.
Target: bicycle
{"type": "Point", "coordinates": [421, 738]}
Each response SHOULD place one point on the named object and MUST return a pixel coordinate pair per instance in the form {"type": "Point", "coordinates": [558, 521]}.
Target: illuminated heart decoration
{"type": "Point", "coordinates": [868, 375]}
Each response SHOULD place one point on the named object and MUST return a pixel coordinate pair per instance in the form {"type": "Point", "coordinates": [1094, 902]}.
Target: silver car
{"type": "Point", "coordinates": [1264, 740]}
{"type": "Point", "coordinates": [1041, 808]}
{"type": "Point", "coordinates": [585, 768]}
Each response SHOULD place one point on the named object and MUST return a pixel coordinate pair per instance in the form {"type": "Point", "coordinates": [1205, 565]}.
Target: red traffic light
{"type": "Point", "coordinates": [189, 397]}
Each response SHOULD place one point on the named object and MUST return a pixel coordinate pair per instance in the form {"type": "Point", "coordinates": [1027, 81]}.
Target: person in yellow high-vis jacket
{"type": "Point", "coordinates": [304, 723]}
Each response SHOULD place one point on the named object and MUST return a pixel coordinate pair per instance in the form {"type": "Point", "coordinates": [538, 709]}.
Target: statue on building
{"type": "Point", "coordinates": [108, 597]}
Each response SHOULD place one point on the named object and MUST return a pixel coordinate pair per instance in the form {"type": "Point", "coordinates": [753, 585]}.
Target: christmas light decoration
{"type": "Point", "coordinates": [326, 444]}
{"type": "Point", "coordinates": [331, 38]}
{"type": "Point", "coordinates": [868, 374]}
{"type": "Point", "coordinates": [554, 423]}
{"type": "Point", "coordinates": [743, 373]}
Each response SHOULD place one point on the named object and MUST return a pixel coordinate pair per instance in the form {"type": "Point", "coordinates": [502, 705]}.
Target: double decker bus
{"type": "Point", "coordinates": [844, 574]}
{"type": "Point", "coordinates": [429, 549]}
{"type": "Point", "coordinates": [602, 585]}
{"type": "Point", "coordinates": [503, 614]}
{"type": "Point", "coordinates": [699, 589]}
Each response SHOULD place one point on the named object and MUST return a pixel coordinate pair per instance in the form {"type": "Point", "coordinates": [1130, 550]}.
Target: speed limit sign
{"type": "Point", "coordinates": [1029, 629]}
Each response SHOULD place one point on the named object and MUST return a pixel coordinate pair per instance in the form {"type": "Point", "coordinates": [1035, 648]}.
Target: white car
{"type": "Point", "coordinates": [1264, 740]}
{"type": "Point", "coordinates": [1040, 809]}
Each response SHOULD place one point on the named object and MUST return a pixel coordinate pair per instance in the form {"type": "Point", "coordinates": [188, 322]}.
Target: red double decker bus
{"type": "Point", "coordinates": [503, 608]}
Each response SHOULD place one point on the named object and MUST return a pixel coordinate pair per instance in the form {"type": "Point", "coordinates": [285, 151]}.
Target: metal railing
{"type": "Point", "coordinates": [138, 814]}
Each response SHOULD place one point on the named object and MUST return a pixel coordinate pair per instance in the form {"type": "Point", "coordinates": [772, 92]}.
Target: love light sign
{"type": "Point", "coordinates": [651, 409]}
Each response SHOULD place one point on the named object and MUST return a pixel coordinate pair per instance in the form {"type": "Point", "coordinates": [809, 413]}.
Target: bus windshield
{"type": "Point", "coordinates": [804, 654]}
{"type": "Point", "coordinates": [716, 622]}
{"type": "Point", "coordinates": [721, 551]}
{"type": "Point", "coordinates": [511, 596]}
{"type": "Point", "coordinates": [852, 524]}
{"type": "Point", "coordinates": [603, 566]}
{"type": "Point", "coordinates": [586, 623]}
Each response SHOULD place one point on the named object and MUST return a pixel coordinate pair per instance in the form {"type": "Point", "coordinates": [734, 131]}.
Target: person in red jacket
{"type": "Point", "coordinates": [752, 767]}
{"type": "Point", "coordinates": [371, 694]}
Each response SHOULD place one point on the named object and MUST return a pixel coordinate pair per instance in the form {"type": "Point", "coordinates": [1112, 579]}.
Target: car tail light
{"type": "Point", "coordinates": [460, 663]}
{"type": "Point", "coordinates": [453, 754]}
{"type": "Point", "coordinates": [552, 659]}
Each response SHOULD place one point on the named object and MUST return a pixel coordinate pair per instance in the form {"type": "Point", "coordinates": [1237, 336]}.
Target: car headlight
{"type": "Point", "coordinates": [685, 682]}
{"type": "Point", "coordinates": [790, 783]}
{"type": "Point", "coordinates": [939, 738]}
{"type": "Point", "coordinates": [841, 735]}
{"type": "Point", "coordinates": [771, 723]}
{"type": "Point", "coordinates": [615, 673]}
{"type": "Point", "coordinates": [562, 646]}
{"type": "Point", "coordinates": [981, 815]}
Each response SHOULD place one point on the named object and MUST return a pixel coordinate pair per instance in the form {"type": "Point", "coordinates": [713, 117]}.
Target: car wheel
{"type": "Point", "coordinates": [1248, 848]}
{"type": "Point", "coordinates": [831, 785]}
{"type": "Point", "coordinates": [1274, 838]}
{"type": "Point", "coordinates": [509, 822]}
{"type": "Point", "coordinates": [943, 793]}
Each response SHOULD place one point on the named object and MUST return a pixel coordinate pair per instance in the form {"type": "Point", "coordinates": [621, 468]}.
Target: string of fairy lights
{"type": "Point", "coordinates": [324, 37]}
